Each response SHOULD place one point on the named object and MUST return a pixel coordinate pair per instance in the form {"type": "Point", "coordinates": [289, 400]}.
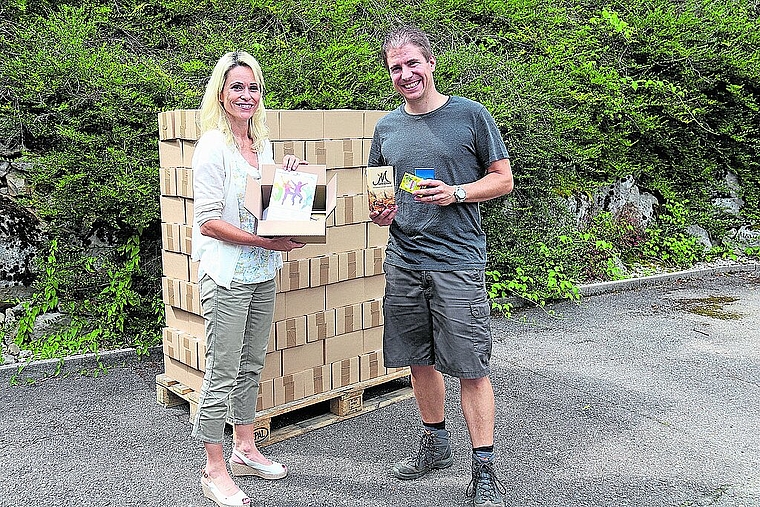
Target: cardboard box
{"type": "Point", "coordinates": [351, 209]}
{"type": "Point", "coordinates": [294, 275]}
{"type": "Point", "coordinates": [279, 307]}
{"type": "Point", "coordinates": [303, 357]}
{"type": "Point", "coordinates": [372, 339]}
{"type": "Point", "coordinates": [370, 120]}
{"type": "Point", "coordinates": [350, 265]}
{"type": "Point", "coordinates": [194, 265]}
{"type": "Point", "coordinates": [176, 265]}
{"type": "Point", "coordinates": [303, 302]}
{"type": "Point", "coordinates": [186, 124]}
{"type": "Point", "coordinates": [168, 183]}
{"type": "Point", "coordinates": [343, 123]}
{"type": "Point", "coordinates": [186, 244]}
{"type": "Point", "coordinates": [323, 270]}
{"type": "Point", "coordinates": [184, 374]}
{"type": "Point", "coordinates": [374, 287]}
{"type": "Point", "coordinates": [306, 231]}
{"type": "Point", "coordinates": [377, 235]}
{"type": "Point", "coordinates": [188, 149]}
{"type": "Point", "coordinates": [371, 365]}
{"type": "Point", "coordinates": [183, 320]}
{"type": "Point", "coordinates": [272, 365]}
{"type": "Point", "coordinates": [170, 153]}
{"type": "Point", "coordinates": [273, 123]}
{"type": "Point", "coordinates": [171, 289]}
{"type": "Point", "coordinates": [345, 372]}
{"type": "Point", "coordinates": [302, 125]}
{"type": "Point", "coordinates": [166, 125]}
{"type": "Point", "coordinates": [189, 350]}
{"type": "Point", "coordinates": [202, 354]}
{"type": "Point", "coordinates": [372, 313]}
{"type": "Point", "coordinates": [190, 211]}
{"type": "Point", "coordinates": [190, 297]}
{"type": "Point", "coordinates": [350, 180]}
{"type": "Point", "coordinates": [290, 332]}
{"type": "Point", "coordinates": [335, 154]}
{"type": "Point", "coordinates": [343, 346]}
{"type": "Point", "coordinates": [171, 342]}
{"type": "Point", "coordinates": [282, 148]}
{"type": "Point", "coordinates": [185, 182]}
{"type": "Point", "coordinates": [373, 261]}
{"type": "Point", "coordinates": [320, 325]}
{"type": "Point", "coordinates": [265, 399]}
{"type": "Point", "coordinates": [171, 239]}
{"type": "Point", "coordinates": [293, 387]}
{"type": "Point", "coordinates": [366, 147]}
{"type": "Point", "coordinates": [173, 210]}
{"type": "Point", "coordinates": [272, 343]}
{"type": "Point", "coordinates": [321, 379]}
{"type": "Point", "coordinates": [348, 319]}
{"type": "Point", "coordinates": [345, 293]}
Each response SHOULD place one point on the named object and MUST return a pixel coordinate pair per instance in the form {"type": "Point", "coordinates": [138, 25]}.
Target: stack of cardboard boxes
{"type": "Point", "coordinates": [327, 330]}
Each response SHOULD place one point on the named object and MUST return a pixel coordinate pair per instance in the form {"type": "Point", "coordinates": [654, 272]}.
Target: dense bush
{"type": "Point", "coordinates": [584, 93]}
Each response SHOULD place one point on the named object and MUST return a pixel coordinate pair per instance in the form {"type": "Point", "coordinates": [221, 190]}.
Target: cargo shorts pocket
{"type": "Point", "coordinates": [481, 326]}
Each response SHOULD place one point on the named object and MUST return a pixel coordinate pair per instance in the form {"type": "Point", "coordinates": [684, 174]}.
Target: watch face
{"type": "Point", "coordinates": [460, 194]}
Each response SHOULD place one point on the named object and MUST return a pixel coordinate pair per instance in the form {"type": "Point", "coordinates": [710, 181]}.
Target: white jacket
{"type": "Point", "coordinates": [216, 199]}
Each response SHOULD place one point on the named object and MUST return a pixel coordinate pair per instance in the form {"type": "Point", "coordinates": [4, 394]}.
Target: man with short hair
{"type": "Point", "coordinates": [436, 308]}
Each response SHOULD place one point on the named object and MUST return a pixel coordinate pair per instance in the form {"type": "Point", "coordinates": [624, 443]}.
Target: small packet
{"type": "Point", "coordinates": [410, 182]}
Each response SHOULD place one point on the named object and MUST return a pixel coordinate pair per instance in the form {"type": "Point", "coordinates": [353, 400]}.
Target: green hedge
{"type": "Point", "coordinates": [584, 93]}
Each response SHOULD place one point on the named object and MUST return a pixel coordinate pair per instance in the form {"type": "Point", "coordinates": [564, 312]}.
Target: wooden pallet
{"type": "Point", "coordinates": [345, 402]}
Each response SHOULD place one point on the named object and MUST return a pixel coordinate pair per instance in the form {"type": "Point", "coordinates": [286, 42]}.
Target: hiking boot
{"type": "Point", "coordinates": [434, 453]}
{"type": "Point", "coordinates": [485, 488]}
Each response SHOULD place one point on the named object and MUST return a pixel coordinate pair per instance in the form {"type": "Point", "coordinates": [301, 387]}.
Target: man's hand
{"type": "Point", "coordinates": [434, 192]}
{"type": "Point", "coordinates": [384, 217]}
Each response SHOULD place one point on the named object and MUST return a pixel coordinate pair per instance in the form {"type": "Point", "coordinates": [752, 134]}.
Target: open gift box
{"type": "Point", "coordinates": [259, 192]}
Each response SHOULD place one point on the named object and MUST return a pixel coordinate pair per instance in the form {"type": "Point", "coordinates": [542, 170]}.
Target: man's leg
{"type": "Point", "coordinates": [430, 393]}
{"type": "Point", "coordinates": [478, 408]}
{"type": "Point", "coordinates": [435, 450]}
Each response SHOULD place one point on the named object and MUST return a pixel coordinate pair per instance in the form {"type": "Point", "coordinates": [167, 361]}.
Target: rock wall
{"type": "Point", "coordinates": [20, 231]}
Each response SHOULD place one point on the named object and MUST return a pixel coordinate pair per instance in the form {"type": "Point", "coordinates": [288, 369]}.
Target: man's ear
{"type": "Point", "coordinates": [432, 62]}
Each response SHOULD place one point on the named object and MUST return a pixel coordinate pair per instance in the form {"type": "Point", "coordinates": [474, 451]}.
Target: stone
{"type": "Point", "coordinates": [622, 195]}
{"type": "Point", "coordinates": [742, 238]}
{"type": "Point", "coordinates": [702, 235]}
{"type": "Point", "coordinates": [732, 205]}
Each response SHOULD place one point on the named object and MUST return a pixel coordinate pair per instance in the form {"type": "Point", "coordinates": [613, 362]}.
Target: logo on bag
{"type": "Point", "coordinates": [382, 179]}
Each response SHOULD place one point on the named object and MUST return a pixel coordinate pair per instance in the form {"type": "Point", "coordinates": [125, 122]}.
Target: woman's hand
{"type": "Point", "coordinates": [282, 244]}
{"type": "Point", "coordinates": [291, 162]}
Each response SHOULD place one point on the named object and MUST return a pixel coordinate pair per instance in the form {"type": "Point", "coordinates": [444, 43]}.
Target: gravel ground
{"type": "Point", "coordinates": [641, 396]}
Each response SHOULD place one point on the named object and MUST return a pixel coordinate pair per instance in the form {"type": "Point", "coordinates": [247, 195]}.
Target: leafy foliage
{"type": "Point", "coordinates": [583, 92]}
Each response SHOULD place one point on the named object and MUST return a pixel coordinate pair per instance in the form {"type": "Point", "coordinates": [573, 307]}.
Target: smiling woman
{"type": "Point", "coordinates": [236, 273]}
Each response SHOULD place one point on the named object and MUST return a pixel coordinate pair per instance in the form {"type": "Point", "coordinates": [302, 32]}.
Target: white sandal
{"type": "Point", "coordinates": [212, 492]}
{"type": "Point", "coordinates": [250, 467]}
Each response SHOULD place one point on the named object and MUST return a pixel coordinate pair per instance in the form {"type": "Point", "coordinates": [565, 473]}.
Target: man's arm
{"type": "Point", "coordinates": [496, 182]}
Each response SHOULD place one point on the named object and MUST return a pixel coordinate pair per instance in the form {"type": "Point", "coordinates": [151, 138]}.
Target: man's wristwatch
{"type": "Point", "coordinates": [459, 194]}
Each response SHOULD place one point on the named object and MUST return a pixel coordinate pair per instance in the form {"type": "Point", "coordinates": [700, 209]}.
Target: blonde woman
{"type": "Point", "coordinates": [237, 270]}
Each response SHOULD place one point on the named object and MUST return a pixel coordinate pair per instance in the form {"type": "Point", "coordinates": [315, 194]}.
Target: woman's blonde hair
{"type": "Point", "coordinates": [212, 113]}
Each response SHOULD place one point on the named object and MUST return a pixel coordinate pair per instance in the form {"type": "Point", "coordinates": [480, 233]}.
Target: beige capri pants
{"type": "Point", "coordinates": [238, 324]}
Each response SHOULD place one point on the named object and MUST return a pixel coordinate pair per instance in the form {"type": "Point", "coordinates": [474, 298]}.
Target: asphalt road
{"type": "Point", "coordinates": [646, 397]}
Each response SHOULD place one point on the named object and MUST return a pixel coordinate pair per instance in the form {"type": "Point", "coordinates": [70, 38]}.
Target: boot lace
{"type": "Point", "coordinates": [485, 485]}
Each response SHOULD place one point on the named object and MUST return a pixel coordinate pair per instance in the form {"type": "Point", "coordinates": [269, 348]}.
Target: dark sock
{"type": "Point", "coordinates": [485, 448]}
{"type": "Point", "coordinates": [436, 426]}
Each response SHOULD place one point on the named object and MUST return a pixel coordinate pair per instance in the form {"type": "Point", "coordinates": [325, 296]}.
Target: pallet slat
{"type": "Point", "coordinates": [345, 403]}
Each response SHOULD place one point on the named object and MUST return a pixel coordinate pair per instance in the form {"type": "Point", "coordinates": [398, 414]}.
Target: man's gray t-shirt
{"type": "Point", "coordinates": [459, 140]}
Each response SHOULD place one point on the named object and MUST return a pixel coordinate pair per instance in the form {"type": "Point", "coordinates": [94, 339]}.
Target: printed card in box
{"type": "Point", "coordinates": [292, 196]}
